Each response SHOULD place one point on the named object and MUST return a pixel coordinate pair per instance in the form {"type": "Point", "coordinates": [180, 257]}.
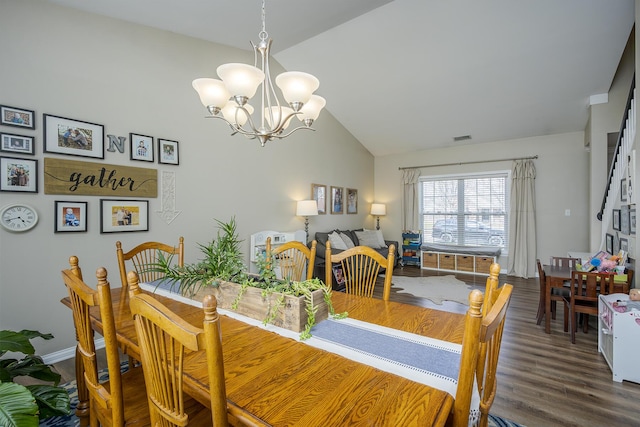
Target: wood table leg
{"type": "Point", "coordinates": [547, 304]}
{"type": "Point", "coordinates": [82, 410]}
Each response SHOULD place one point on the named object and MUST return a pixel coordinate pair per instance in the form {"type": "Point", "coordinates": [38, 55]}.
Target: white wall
{"type": "Point", "coordinates": [137, 79]}
{"type": "Point", "coordinates": [562, 182]}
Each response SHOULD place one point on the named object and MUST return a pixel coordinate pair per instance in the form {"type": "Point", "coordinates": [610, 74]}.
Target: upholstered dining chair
{"type": "Point", "coordinates": [583, 298]}
{"type": "Point", "coordinates": [145, 255]}
{"type": "Point", "coordinates": [481, 344]}
{"type": "Point", "coordinates": [360, 267]}
{"type": "Point", "coordinates": [122, 399]}
{"type": "Point", "coordinates": [294, 259]}
{"type": "Point", "coordinates": [164, 338]}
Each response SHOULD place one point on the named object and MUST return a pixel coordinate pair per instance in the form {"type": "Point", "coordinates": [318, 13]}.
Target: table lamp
{"type": "Point", "coordinates": [378, 209]}
{"type": "Point", "coordinates": [307, 208]}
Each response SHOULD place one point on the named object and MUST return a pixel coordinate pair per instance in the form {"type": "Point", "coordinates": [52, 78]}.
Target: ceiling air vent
{"type": "Point", "coordinates": [461, 138]}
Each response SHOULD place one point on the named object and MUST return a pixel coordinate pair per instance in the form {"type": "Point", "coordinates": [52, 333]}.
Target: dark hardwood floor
{"type": "Point", "coordinates": [543, 379]}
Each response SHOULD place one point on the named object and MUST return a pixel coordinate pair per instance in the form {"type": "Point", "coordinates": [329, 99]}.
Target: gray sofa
{"type": "Point", "coordinates": [322, 237]}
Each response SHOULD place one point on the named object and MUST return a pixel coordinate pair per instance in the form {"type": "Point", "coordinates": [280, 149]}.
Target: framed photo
{"type": "Point", "coordinates": [616, 219]}
{"type": "Point", "coordinates": [337, 200]}
{"type": "Point", "coordinates": [168, 152]}
{"type": "Point", "coordinates": [632, 219]}
{"type": "Point", "coordinates": [118, 216]}
{"type": "Point", "coordinates": [319, 194]}
{"type": "Point", "coordinates": [624, 245]}
{"type": "Point", "coordinates": [610, 243]}
{"type": "Point", "coordinates": [16, 143]}
{"type": "Point", "coordinates": [338, 275]}
{"type": "Point", "coordinates": [18, 175]}
{"type": "Point", "coordinates": [141, 147]}
{"type": "Point", "coordinates": [70, 217]}
{"type": "Point", "coordinates": [625, 227]}
{"type": "Point", "coordinates": [623, 190]}
{"type": "Point", "coordinates": [73, 137]}
{"type": "Point", "coordinates": [18, 117]}
{"type": "Point", "coordinates": [352, 201]}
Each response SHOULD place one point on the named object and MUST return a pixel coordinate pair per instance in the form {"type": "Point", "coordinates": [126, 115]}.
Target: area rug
{"type": "Point", "coordinates": [73, 421]}
{"type": "Point", "coordinates": [434, 288]}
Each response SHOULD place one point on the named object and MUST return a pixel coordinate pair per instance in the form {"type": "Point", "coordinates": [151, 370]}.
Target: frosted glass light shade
{"type": "Point", "coordinates": [307, 208]}
{"type": "Point", "coordinates": [241, 79]}
{"type": "Point", "coordinates": [297, 86]}
{"type": "Point", "coordinates": [276, 116]}
{"type": "Point", "coordinates": [378, 209]}
{"type": "Point", "coordinates": [311, 109]}
{"type": "Point", "coordinates": [212, 92]}
{"type": "Point", "coordinates": [229, 113]}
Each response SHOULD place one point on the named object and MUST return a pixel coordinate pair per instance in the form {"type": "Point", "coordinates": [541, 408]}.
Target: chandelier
{"type": "Point", "coordinates": [227, 99]}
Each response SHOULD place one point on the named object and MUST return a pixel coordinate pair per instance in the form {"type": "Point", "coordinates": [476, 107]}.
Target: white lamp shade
{"type": "Point", "coordinates": [231, 112]}
{"type": "Point", "coordinates": [378, 209]}
{"type": "Point", "coordinates": [241, 79]}
{"type": "Point", "coordinates": [212, 92]}
{"type": "Point", "coordinates": [286, 111]}
{"type": "Point", "coordinates": [297, 86]}
{"type": "Point", "coordinates": [307, 208]}
{"type": "Point", "coordinates": [311, 109]}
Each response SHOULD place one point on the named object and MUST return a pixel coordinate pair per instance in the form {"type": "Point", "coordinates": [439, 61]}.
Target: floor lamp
{"type": "Point", "coordinates": [378, 210]}
{"type": "Point", "coordinates": [307, 208]}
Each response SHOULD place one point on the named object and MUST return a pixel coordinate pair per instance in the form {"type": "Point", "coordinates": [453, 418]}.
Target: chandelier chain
{"type": "Point", "coordinates": [263, 34]}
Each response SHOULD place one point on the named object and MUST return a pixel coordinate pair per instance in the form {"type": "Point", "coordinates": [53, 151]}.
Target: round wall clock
{"type": "Point", "coordinates": [18, 217]}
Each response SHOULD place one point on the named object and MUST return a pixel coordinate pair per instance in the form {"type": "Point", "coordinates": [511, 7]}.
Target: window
{"type": "Point", "coordinates": [465, 210]}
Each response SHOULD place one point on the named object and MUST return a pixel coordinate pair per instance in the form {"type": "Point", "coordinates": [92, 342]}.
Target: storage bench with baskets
{"type": "Point", "coordinates": [463, 259]}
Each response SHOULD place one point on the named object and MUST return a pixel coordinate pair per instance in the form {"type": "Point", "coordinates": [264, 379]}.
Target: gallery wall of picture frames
{"type": "Point", "coordinates": [341, 200]}
{"type": "Point", "coordinates": [73, 137]}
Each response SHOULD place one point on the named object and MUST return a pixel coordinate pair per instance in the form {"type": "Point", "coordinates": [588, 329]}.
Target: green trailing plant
{"type": "Point", "coordinates": [24, 406]}
{"type": "Point", "coordinates": [223, 262]}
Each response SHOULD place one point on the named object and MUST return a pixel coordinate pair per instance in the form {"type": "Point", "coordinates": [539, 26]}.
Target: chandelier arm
{"type": "Point", "coordinates": [292, 131]}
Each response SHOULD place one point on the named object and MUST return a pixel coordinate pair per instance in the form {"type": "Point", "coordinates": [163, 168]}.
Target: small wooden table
{"type": "Point", "coordinates": [286, 382]}
{"type": "Point", "coordinates": [556, 276]}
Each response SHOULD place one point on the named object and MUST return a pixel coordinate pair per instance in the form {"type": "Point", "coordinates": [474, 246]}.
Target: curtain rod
{"type": "Point", "coordinates": [468, 163]}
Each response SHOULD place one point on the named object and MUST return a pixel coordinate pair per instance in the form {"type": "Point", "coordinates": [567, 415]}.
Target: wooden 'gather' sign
{"type": "Point", "coordinates": [98, 179]}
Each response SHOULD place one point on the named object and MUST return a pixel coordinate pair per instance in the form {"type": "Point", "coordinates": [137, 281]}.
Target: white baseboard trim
{"type": "Point", "coordinates": [67, 353]}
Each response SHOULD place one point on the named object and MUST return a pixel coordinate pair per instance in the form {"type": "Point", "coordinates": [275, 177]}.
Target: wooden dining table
{"type": "Point", "coordinates": [555, 277]}
{"type": "Point", "coordinates": [286, 382]}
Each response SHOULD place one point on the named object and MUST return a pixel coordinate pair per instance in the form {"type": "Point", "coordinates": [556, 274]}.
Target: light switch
{"type": "Point", "coordinates": [567, 212]}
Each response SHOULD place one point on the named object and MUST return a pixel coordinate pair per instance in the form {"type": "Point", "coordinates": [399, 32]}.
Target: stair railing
{"type": "Point", "coordinates": [618, 168]}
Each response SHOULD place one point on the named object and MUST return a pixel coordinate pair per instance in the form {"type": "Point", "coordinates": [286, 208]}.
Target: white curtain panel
{"type": "Point", "coordinates": [410, 202]}
{"type": "Point", "coordinates": [522, 220]}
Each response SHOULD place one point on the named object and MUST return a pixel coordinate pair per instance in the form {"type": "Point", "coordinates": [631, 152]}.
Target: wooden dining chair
{"type": "Point", "coordinates": [121, 399]}
{"type": "Point", "coordinates": [623, 286]}
{"type": "Point", "coordinates": [294, 259]}
{"type": "Point", "coordinates": [481, 345]}
{"type": "Point", "coordinates": [559, 291]}
{"type": "Point", "coordinates": [583, 298]}
{"type": "Point", "coordinates": [164, 338]}
{"type": "Point", "coordinates": [145, 255]}
{"type": "Point", "coordinates": [360, 268]}
{"type": "Point", "coordinates": [565, 262]}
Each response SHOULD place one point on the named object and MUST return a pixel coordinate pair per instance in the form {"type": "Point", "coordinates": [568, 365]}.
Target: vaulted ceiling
{"type": "Point", "coordinates": [408, 75]}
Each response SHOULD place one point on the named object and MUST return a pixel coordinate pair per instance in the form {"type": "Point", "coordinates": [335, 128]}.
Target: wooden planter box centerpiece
{"type": "Point", "coordinates": [282, 310]}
